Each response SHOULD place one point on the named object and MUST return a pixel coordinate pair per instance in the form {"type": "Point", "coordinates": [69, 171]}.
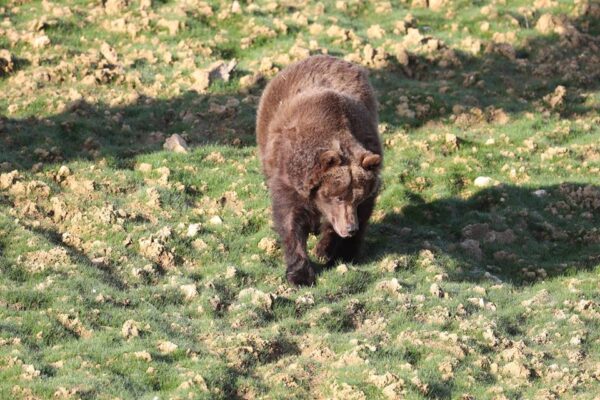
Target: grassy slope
{"type": "Point", "coordinates": [73, 269]}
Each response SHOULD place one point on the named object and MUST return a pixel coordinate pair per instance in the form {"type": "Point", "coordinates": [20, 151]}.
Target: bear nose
{"type": "Point", "coordinates": [352, 229]}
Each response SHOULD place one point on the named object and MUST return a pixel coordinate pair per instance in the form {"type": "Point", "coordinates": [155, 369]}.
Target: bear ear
{"type": "Point", "coordinates": [371, 161]}
{"type": "Point", "coordinates": [330, 158]}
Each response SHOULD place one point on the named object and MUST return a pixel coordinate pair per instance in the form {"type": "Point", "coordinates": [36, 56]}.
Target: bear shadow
{"type": "Point", "coordinates": [504, 233]}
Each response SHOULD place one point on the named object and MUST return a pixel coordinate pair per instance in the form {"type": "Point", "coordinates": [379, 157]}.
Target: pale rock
{"type": "Point", "coordinates": [476, 231]}
{"type": "Point", "coordinates": [176, 143]}
{"type": "Point", "coordinates": [436, 291]}
{"type": "Point", "coordinates": [189, 291]}
{"type": "Point", "coordinates": [546, 24]}
{"type": "Point", "coordinates": [8, 179]}
{"type": "Point", "coordinates": [115, 6]}
{"type": "Point", "coordinates": [483, 181]}
{"type": "Point", "coordinates": [143, 355]}
{"type": "Point", "coordinates": [556, 99]}
{"type": "Point", "coordinates": [6, 62]}
{"type": "Point", "coordinates": [193, 230]}
{"type": "Point", "coordinates": [144, 167]}
{"type": "Point", "coordinates": [375, 32]}
{"type": "Point", "coordinates": [130, 329]}
{"type": "Point", "coordinates": [268, 245]}
{"type": "Point", "coordinates": [40, 41]}
{"type": "Point", "coordinates": [471, 247]}
{"type": "Point", "coordinates": [63, 173]}
{"type": "Point", "coordinates": [392, 286]}
{"type": "Point", "coordinates": [109, 53]}
{"type": "Point", "coordinates": [172, 25]}
{"type": "Point", "coordinates": [342, 269]}
{"type": "Point", "coordinates": [216, 220]}
{"type": "Point", "coordinates": [515, 369]}
{"type": "Point", "coordinates": [166, 347]}
{"type": "Point", "coordinates": [257, 298]}
{"type": "Point", "coordinates": [436, 5]}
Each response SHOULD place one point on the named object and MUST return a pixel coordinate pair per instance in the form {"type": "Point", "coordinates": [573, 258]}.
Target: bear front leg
{"type": "Point", "coordinates": [347, 248]}
{"type": "Point", "coordinates": [293, 225]}
{"type": "Point", "coordinates": [327, 246]}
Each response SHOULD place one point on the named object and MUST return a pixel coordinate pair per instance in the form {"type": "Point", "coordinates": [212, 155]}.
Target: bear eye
{"type": "Point", "coordinates": [339, 199]}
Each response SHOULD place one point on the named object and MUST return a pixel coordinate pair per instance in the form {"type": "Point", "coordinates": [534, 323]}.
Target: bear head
{"type": "Point", "coordinates": [344, 183]}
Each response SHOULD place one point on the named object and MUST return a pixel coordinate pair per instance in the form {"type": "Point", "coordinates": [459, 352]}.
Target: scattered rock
{"type": "Point", "coordinates": [172, 25]}
{"type": "Point", "coordinates": [556, 99]}
{"type": "Point", "coordinates": [143, 355]}
{"type": "Point", "coordinates": [130, 329]}
{"type": "Point", "coordinates": [392, 286]}
{"type": "Point", "coordinates": [8, 179]}
{"type": "Point", "coordinates": [6, 62]}
{"type": "Point", "coordinates": [516, 370]}
{"type": "Point", "coordinates": [189, 291]}
{"type": "Point", "coordinates": [216, 220]}
{"type": "Point", "coordinates": [154, 250]}
{"type": "Point", "coordinates": [176, 143]}
{"type": "Point", "coordinates": [342, 269]}
{"type": "Point", "coordinates": [166, 347]}
{"type": "Point", "coordinates": [483, 181]}
{"type": "Point", "coordinates": [471, 247]}
{"type": "Point", "coordinates": [219, 70]}
{"type": "Point", "coordinates": [109, 53]}
{"type": "Point", "coordinates": [436, 291]}
{"type": "Point", "coordinates": [505, 237]}
{"type": "Point", "coordinates": [476, 231]}
{"type": "Point", "coordinates": [256, 298]}
{"type": "Point", "coordinates": [144, 167]}
{"type": "Point", "coordinates": [40, 41]}
{"type": "Point", "coordinates": [193, 230]}
{"type": "Point", "coordinates": [74, 325]}
{"type": "Point", "coordinates": [268, 245]}
{"type": "Point", "coordinates": [115, 6]}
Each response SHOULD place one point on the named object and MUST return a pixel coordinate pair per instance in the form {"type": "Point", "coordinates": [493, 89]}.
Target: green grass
{"type": "Point", "coordinates": [74, 271]}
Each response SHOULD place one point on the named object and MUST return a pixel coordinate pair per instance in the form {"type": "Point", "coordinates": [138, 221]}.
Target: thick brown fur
{"type": "Point", "coordinates": [321, 155]}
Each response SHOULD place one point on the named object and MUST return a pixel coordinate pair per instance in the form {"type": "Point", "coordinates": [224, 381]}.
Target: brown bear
{"type": "Point", "coordinates": [321, 155]}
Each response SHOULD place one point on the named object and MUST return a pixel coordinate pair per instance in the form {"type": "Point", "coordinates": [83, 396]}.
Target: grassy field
{"type": "Point", "coordinates": [132, 272]}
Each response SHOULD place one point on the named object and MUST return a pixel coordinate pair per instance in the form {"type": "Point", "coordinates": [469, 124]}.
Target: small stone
{"type": "Point", "coordinates": [556, 99]}
{"type": "Point", "coordinates": [193, 230]}
{"type": "Point", "coordinates": [144, 167]}
{"type": "Point", "coordinates": [40, 41]}
{"type": "Point", "coordinates": [540, 193]}
{"type": "Point", "coordinates": [176, 143]}
{"type": "Point", "coordinates": [63, 173]}
{"type": "Point", "coordinates": [115, 6]}
{"type": "Point", "coordinates": [483, 181]}
{"type": "Point", "coordinates": [143, 355]}
{"type": "Point", "coordinates": [130, 329]}
{"type": "Point", "coordinates": [189, 291]}
{"type": "Point", "coordinates": [516, 370]}
{"type": "Point", "coordinates": [216, 220]}
{"type": "Point", "coordinates": [268, 245]}
{"type": "Point", "coordinates": [172, 25]}
{"type": "Point", "coordinates": [471, 247]}
{"type": "Point", "coordinates": [109, 53]}
{"type": "Point", "coordinates": [342, 269]}
{"type": "Point", "coordinates": [166, 347]}
{"type": "Point", "coordinates": [436, 290]}
{"type": "Point", "coordinates": [256, 298]}
{"type": "Point", "coordinates": [8, 179]}
{"type": "Point", "coordinates": [6, 62]}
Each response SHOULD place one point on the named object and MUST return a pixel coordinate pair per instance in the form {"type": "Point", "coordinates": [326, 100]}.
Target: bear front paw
{"type": "Point", "coordinates": [303, 275]}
